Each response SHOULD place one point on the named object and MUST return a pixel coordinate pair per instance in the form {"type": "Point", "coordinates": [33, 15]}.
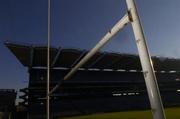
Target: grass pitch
{"type": "Point", "coordinates": [171, 113]}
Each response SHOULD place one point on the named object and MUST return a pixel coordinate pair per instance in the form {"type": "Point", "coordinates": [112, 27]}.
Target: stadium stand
{"type": "Point", "coordinates": [108, 82]}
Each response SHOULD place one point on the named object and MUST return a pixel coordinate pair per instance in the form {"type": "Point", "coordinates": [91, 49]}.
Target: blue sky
{"type": "Point", "coordinates": [81, 24]}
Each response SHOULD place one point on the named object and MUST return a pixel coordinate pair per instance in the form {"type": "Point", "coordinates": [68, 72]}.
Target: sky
{"type": "Point", "coordinates": [81, 24]}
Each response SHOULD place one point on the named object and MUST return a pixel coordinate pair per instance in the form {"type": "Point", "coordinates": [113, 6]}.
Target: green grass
{"type": "Point", "coordinates": [171, 113]}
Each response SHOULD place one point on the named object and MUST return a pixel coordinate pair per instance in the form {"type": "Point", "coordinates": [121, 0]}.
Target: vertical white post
{"type": "Point", "coordinates": [48, 59]}
{"type": "Point", "coordinates": [147, 66]}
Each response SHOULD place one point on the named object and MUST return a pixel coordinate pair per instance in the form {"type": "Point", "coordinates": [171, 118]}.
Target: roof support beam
{"type": "Point", "coordinates": [77, 60]}
{"type": "Point", "coordinates": [98, 59]}
{"type": "Point", "coordinates": [56, 57]}
{"type": "Point", "coordinates": [120, 25]}
{"type": "Point", "coordinates": [31, 56]}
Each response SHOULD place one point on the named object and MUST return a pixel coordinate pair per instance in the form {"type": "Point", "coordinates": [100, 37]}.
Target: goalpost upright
{"type": "Point", "coordinates": [146, 63]}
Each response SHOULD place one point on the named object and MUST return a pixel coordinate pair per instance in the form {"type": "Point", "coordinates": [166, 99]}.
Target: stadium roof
{"type": "Point", "coordinates": [36, 56]}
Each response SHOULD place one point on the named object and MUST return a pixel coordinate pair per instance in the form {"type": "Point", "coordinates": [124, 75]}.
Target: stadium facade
{"type": "Point", "coordinates": [108, 82]}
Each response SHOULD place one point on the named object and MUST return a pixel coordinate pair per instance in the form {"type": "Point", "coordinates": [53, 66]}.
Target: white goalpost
{"type": "Point", "coordinates": [146, 63]}
{"type": "Point", "coordinates": [147, 66]}
{"type": "Point", "coordinates": [48, 61]}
